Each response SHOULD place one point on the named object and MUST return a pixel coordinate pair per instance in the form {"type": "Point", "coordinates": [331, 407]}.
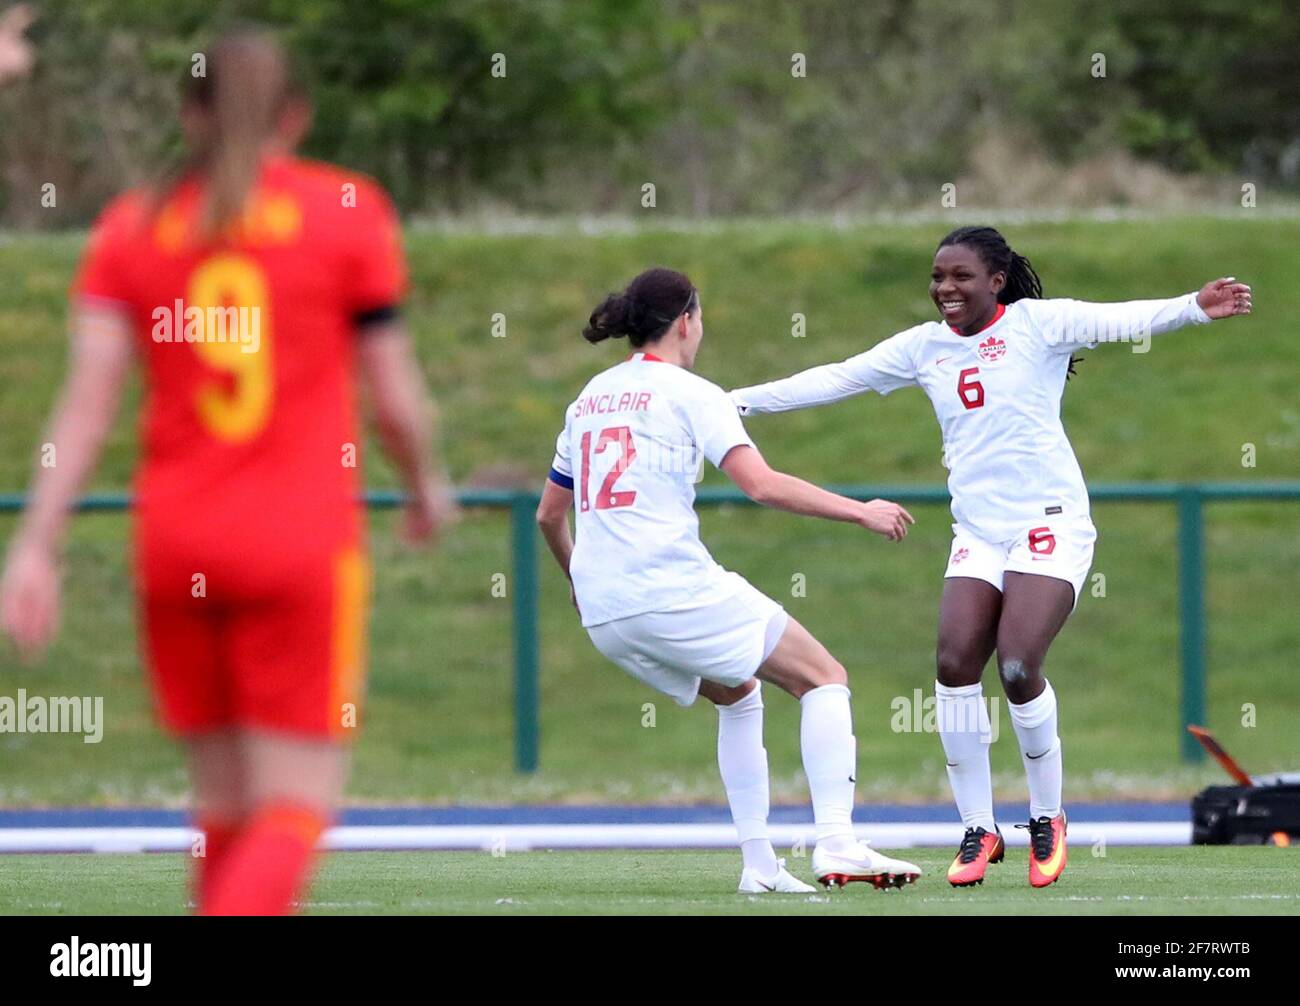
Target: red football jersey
{"type": "Point", "coordinates": [249, 437]}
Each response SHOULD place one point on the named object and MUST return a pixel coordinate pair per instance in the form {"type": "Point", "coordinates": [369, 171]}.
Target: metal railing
{"type": "Point", "coordinates": [1188, 498]}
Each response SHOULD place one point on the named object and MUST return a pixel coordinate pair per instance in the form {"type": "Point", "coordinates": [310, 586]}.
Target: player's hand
{"type": "Point", "coordinates": [15, 51]}
{"type": "Point", "coordinates": [1222, 298]}
{"type": "Point", "coordinates": [29, 597]}
{"type": "Point", "coordinates": [429, 510]}
{"type": "Point", "coordinates": [886, 518]}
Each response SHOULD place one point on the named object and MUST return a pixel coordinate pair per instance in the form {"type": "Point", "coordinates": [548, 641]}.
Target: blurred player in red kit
{"type": "Point", "coordinates": [256, 290]}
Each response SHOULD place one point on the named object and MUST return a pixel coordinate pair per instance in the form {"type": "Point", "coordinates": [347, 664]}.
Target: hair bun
{"type": "Point", "coordinates": [612, 320]}
{"type": "Point", "coordinates": [644, 310]}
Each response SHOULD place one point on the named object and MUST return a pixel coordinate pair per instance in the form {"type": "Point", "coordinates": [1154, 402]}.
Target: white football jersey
{"type": "Point", "coordinates": [997, 395]}
{"type": "Point", "coordinates": [631, 451]}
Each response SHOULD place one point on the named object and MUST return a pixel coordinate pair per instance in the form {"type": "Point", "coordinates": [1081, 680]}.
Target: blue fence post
{"type": "Point", "coordinates": [1191, 613]}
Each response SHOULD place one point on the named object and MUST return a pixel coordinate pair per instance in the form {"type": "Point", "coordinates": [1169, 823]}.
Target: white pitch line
{"type": "Point", "coordinates": [522, 837]}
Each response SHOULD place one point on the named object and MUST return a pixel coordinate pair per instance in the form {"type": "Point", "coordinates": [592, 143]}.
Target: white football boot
{"type": "Point", "coordinates": [782, 883]}
{"type": "Point", "coordinates": [835, 869]}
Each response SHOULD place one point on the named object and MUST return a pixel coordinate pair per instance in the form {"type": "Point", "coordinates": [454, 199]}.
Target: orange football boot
{"type": "Point", "coordinates": [1046, 849]}
{"type": "Point", "coordinates": [978, 849]}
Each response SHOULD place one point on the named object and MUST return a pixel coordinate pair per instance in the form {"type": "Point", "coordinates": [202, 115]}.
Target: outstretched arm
{"type": "Point", "coordinates": [1078, 324]}
{"type": "Point", "coordinates": [882, 368]}
{"type": "Point", "coordinates": [745, 466]}
{"type": "Point", "coordinates": [817, 386]}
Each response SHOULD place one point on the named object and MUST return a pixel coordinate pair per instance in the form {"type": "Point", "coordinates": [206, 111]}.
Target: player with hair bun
{"type": "Point", "coordinates": [654, 601]}
{"type": "Point", "coordinates": [995, 368]}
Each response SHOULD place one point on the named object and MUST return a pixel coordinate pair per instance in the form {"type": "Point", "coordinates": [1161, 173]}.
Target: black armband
{"type": "Point", "coordinates": [375, 316]}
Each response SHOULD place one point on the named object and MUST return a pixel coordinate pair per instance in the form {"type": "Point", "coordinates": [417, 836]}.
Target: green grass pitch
{"type": "Point", "coordinates": [1125, 881]}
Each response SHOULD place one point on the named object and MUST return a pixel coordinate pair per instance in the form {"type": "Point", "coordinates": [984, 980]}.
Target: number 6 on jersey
{"type": "Point", "coordinates": [971, 392]}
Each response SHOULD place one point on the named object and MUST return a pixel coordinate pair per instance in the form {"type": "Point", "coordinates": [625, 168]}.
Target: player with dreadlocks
{"type": "Point", "coordinates": [995, 368]}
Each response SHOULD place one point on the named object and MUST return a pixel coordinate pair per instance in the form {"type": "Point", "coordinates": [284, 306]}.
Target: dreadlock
{"type": "Point", "coordinates": [993, 250]}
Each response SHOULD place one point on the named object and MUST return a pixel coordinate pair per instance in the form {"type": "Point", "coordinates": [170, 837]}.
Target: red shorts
{"type": "Point", "coordinates": [280, 649]}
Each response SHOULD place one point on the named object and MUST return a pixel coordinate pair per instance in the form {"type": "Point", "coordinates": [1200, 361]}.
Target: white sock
{"type": "Point", "coordinates": [830, 754]}
{"type": "Point", "coordinates": [742, 760]}
{"type": "Point", "coordinates": [1040, 749]}
{"type": "Point", "coordinates": [964, 730]}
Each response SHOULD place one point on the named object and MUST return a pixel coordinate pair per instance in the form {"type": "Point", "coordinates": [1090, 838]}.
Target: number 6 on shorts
{"type": "Point", "coordinates": [1042, 541]}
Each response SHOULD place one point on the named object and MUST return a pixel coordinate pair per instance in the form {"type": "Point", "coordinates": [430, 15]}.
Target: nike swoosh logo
{"type": "Point", "coordinates": [1054, 864]}
{"type": "Point", "coordinates": [941, 360]}
{"type": "Point", "coordinates": [1035, 757]}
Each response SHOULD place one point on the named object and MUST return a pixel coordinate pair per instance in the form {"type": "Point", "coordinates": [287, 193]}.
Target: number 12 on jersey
{"type": "Point", "coordinates": [607, 498]}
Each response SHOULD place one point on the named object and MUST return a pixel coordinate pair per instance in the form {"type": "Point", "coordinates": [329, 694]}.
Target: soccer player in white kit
{"type": "Point", "coordinates": [994, 369]}
{"type": "Point", "coordinates": [656, 604]}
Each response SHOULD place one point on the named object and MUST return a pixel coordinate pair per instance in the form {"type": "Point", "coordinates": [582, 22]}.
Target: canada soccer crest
{"type": "Point", "coordinates": [992, 349]}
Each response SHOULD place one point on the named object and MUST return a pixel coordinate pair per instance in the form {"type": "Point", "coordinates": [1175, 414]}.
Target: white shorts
{"type": "Point", "coordinates": [725, 640]}
{"type": "Point", "coordinates": [1060, 549]}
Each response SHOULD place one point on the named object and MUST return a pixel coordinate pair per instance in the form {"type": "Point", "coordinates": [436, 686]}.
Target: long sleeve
{"type": "Point", "coordinates": [1068, 325]}
{"type": "Point", "coordinates": [883, 368]}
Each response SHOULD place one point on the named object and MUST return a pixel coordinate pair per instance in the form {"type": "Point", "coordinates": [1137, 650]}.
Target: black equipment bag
{"type": "Point", "coordinates": [1245, 815]}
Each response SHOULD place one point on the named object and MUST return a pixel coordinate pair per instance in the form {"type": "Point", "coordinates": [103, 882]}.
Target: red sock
{"type": "Point", "coordinates": [218, 837]}
{"type": "Point", "coordinates": [269, 863]}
